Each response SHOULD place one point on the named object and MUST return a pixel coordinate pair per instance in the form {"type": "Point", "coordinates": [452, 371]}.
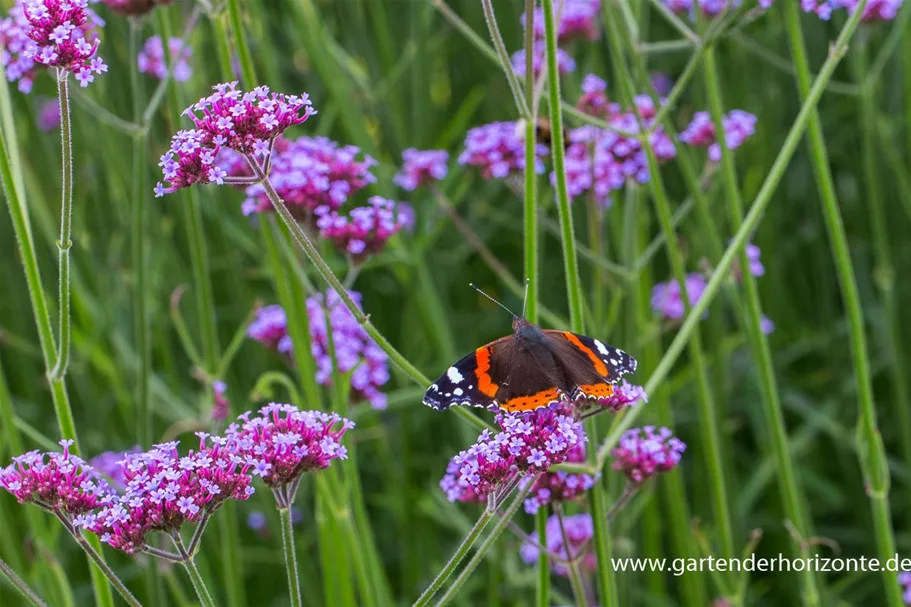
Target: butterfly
{"type": "Point", "coordinates": [530, 369]}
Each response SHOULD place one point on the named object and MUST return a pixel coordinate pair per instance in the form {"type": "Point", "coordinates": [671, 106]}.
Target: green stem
{"type": "Point", "coordinates": [21, 586]}
{"type": "Point", "coordinates": [455, 559]}
{"type": "Point", "coordinates": [751, 220]}
{"type": "Point", "coordinates": [487, 544]}
{"type": "Point", "coordinates": [240, 39]}
{"type": "Point", "coordinates": [572, 565]}
{"type": "Point", "coordinates": [66, 226]}
{"type": "Point", "coordinates": [189, 564]}
{"type": "Point", "coordinates": [871, 451]}
{"type": "Point", "coordinates": [505, 63]}
{"type": "Point", "coordinates": [791, 495]}
{"type": "Point", "coordinates": [542, 595]}
{"type": "Point", "coordinates": [530, 211]}
{"type": "Point", "coordinates": [294, 584]}
{"type": "Point", "coordinates": [568, 238]}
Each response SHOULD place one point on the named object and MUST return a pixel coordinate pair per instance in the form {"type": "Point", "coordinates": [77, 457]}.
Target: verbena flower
{"type": "Point", "coordinates": [876, 10]}
{"type": "Point", "coordinates": [421, 167]}
{"type": "Point", "coordinates": [134, 7]}
{"type": "Point", "coordinates": [904, 580]}
{"type": "Point", "coordinates": [667, 298]}
{"type": "Point", "coordinates": [48, 114]}
{"type": "Point", "coordinates": [355, 350]}
{"type": "Point", "coordinates": [710, 8]}
{"type": "Point", "coordinates": [643, 452]}
{"type": "Point", "coordinates": [738, 127]}
{"type": "Point", "coordinates": [565, 63]}
{"type": "Point", "coordinates": [189, 161]}
{"type": "Point", "coordinates": [624, 394]}
{"type": "Point", "coordinates": [164, 491]}
{"type": "Point", "coordinates": [221, 407]}
{"type": "Point", "coordinates": [579, 19]}
{"type": "Point", "coordinates": [281, 442]}
{"type": "Point", "coordinates": [310, 173]}
{"type": "Point", "coordinates": [498, 149]}
{"type": "Point", "coordinates": [108, 464]}
{"type": "Point", "coordinates": [579, 530]}
{"type": "Point", "coordinates": [601, 161]}
{"type": "Point", "coordinates": [560, 486]}
{"type": "Point", "coordinates": [365, 230]}
{"type": "Point", "coordinates": [61, 482]}
{"type": "Point", "coordinates": [61, 34]}
{"type": "Point", "coordinates": [152, 59]}
{"type": "Point", "coordinates": [530, 442]}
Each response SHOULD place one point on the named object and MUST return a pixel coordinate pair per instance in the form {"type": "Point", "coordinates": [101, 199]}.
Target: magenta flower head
{"type": "Point", "coordinates": [738, 127]}
{"type": "Point", "coordinates": [61, 34]}
{"type": "Point", "coordinates": [579, 19]}
{"type": "Point", "coordinates": [565, 63]}
{"type": "Point", "coordinates": [62, 483]}
{"type": "Point", "coordinates": [134, 7]}
{"type": "Point", "coordinates": [667, 298]}
{"type": "Point", "coordinates": [593, 100]}
{"type": "Point", "coordinates": [270, 328]}
{"type": "Point", "coordinates": [310, 173]}
{"type": "Point", "coordinates": [152, 59]}
{"type": "Point", "coordinates": [108, 464]}
{"type": "Point", "coordinates": [560, 486]}
{"type": "Point", "coordinates": [644, 452]}
{"type": "Point", "coordinates": [421, 167]}
{"type": "Point", "coordinates": [578, 530]}
{"type": "Point", "coordinates": [365, 230]}
{"type": "Point", "coordinates": [498, 149]}
{"type": "Point", "coordinates": [282, 443]}
{"type": "Point", "coordinates": [529, 443]}
{"type": "Point", "coordinates": [164, 491]}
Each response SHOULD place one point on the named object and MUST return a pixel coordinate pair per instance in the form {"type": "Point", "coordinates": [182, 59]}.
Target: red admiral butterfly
{"type": "Point", "coordinates": [530, 369]}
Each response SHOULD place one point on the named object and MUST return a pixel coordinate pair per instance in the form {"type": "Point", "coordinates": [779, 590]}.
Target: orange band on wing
{"type": "Point", "coordinates": [530, 402]}
{"type": "Point", "coordinates": [600, 367]}
{"type": "Point", "coordinates": [485, 383]}
{"type": "Point", "coordinates": [597, 390]}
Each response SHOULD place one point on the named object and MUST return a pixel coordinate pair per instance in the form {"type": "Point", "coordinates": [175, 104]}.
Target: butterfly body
{"type": "Point", "coordinates": [529, 369]}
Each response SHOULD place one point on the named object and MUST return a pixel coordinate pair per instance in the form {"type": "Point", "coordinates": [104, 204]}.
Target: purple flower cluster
{"type": "Point", "coordinates": [579, 19]}
{"type": "Point", "coordinates": [134, 7]}
{"type": "Point", "coordinates": [152, 59]}
{"type": "Point", "coordinates": [246, 123]}
{"type": "Point", "coordinates": [876, 10]}
{"type": "Point", "coordinates": [644, 452]}
{"type": "Point", "coordinates": [498, 149]}
{"type": "Point", "coordinates": [601, 161]}
{"type": "Point", "coordinates": [565, 63]}
{"type": "Point", "coordinates": [738, 127]}
{"type": "Point", "coordinates": [283, 442]}
{"type": "Point", "coordinates": [60, 482]}
{"type": "Point", "coordinates": [709, 8]}
{"type": "Point", "coordinates": [529, 443]}
{"type": "Point", "coordinates": [624, 394]}
{"type": "Point", "coordinates": [164, 491]}
{"type": "Point", "coordinates": [560, 486]}
{"type": "Point", "coordinates": [421, 167]}
{"type": "Point", "coordinates": [312, 175]}
{"type": "Point", "coordinates": [579, 530]}
{"type": "Point", "coordinates": [667, 297]}
{"type": "Point", "coordinates": [354, 349]}
{"type": "Point", "coordinates": [904, 580]}
{"type": "Point", "coordinates": [61, 34]}
{"type": "Point", "coordinates": [366, 229]}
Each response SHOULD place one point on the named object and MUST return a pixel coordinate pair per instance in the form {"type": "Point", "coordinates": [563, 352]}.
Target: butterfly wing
{"type": "Point", "coordinates": [590, 366]}
{"type": "Point", "coordinates": [468, 382]}
{"type": "Point", "coordinates": [528, 377]}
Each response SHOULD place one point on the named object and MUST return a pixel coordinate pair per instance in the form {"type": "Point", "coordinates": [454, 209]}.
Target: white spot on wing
{"type": "Point", "coordinates": [457, 391]}
{"type": "Point", "coordinates": [601, 348]}
{"type": "Point", "coordinates": [454, 376]}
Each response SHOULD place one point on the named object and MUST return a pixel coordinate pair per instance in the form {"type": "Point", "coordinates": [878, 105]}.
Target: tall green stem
{"type": "Point", "coordinates": [66, 226]}
{"type": "Point", "coordinates": [294, 584]}
{"type": "Point", "coordinates": [189, 565]}
{"type": "Point", "coordinates": [530, 210]}
{"type": "Point", "coordinates": [870, 449]}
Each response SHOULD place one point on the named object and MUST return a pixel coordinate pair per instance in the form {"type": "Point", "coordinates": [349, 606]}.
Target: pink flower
{"type": "Point", "coordinates": [644, 452]}
{"type": "Point", "coordinates": [421, 167]}
{"type": "Point", "coordinates": [560, 486]}
{"type": "Point", "coordinates": [366, 229]}
{"type": "Point", "coordinates": [667, 297]}
{"type": "Point", "coordinates": [565, 63]}
{"type": "Point", "coordinates": [498, 149]}
{"type": "Point", "coordinates": [579, 19]}
{"type": "Point", "coordinates": [738, 127]}
{"type": "Point", "coordinates": [152, 59]}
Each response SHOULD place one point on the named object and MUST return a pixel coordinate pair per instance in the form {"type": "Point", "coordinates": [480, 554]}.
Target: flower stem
{"type": "Point", "coordinates": [488, 543]}
{"type": "Point", "coordinates": [869, 443]}
{"type": "Point", "coordinates": [102, 566]}
{"type": "Point", "coordinates": [503, 56]}
{"type": "Point", "coordinates": [21, 586]}
{"type": "Point", "coordinates": [189, 564]}
{"type": "Point", "coordinates": [530, 211]}
{"type": "Point", "coordinates": [542, 595]}
{"type": "Point", "coordinates": [66, 226]}
{"type": "Point", "coordinates": [294, 584]}
{"type": "Point", "coordinates": [456, 558]}
{"type": "Point", "coordinates": [573, 563]}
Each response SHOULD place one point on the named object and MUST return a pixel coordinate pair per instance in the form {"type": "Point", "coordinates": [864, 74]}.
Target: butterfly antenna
{"type": "Point", "coordinates": [525, 298]}
{"type": "Point", "coordinates": [473, 286]}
